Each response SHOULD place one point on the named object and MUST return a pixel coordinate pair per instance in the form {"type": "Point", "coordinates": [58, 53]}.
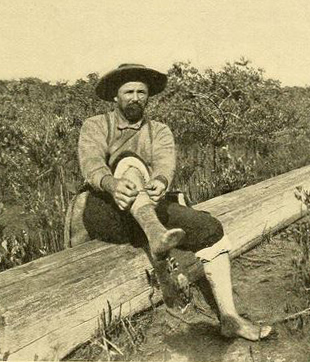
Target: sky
{"type": "Point", "coordinates": [63, 40]}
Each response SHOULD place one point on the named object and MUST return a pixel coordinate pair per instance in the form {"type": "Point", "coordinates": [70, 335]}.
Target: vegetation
{"type": "Point", "coordinates": [299, 233]}
{"type": "Point", "coordinates": [233, 128]}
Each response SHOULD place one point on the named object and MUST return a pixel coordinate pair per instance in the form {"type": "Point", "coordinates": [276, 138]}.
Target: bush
{"type": "Point", "coordinates": [232, 128]}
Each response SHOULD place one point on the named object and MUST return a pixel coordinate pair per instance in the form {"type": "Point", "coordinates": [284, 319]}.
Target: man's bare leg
{"type": "Point", "coordinates": [218, 274]}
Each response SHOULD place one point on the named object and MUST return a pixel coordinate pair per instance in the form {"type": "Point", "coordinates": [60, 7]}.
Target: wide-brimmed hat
{"type": "Point", "coordinates": [109, 84]}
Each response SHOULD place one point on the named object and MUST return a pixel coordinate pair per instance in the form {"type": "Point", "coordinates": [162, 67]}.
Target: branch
{"type": "Point", "coordinates": [229, 95]}
{"type": "Point", "coordinates": [293, 316]}
{"type": "Point", "coordinates": [234, 115]}
{"type": "Point", "coordinates": [185, 109]}
{"type": "Point", "coordinates": [204, 96]}
{"type": "Point", "coordinates": [214, 119]}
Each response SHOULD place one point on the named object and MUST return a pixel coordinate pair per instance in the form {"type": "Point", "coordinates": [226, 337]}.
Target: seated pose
{"type": "Point", "coordinates": [129, 163]}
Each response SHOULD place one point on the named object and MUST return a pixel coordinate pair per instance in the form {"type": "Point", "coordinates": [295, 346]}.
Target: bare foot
{"type": "Point", "coordinates": [169, 240]}
{"type": "Point", "coordinates": [239, 327]}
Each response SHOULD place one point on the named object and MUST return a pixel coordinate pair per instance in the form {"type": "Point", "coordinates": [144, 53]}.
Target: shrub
{"type": "Point", "coordinates": [232, 128]}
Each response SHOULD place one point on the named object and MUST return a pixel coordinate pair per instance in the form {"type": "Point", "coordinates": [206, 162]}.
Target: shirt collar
{"type": "Point", "coordinates": [122, 122]}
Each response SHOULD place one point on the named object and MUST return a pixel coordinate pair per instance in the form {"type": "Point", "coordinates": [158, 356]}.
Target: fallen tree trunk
{"type": "Point", "coordinates": [51, 305]}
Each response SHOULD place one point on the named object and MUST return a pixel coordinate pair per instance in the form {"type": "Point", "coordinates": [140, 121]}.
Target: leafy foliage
{"type": "Point", "coordinates": [234, 105]}
{"type": "Point", "coordinates": [232, 127]}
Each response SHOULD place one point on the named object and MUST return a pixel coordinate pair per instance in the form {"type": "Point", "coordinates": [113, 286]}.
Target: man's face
{"type": "Point", "coordinates": [132, 99]}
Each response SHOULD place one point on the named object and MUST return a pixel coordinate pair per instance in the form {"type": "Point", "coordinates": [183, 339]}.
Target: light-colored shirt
{"type": "Point", "coordinates": [101, 142]}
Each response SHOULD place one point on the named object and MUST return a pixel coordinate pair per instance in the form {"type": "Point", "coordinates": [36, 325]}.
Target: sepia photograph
{"type": "Point", "coordinates": [155, 180]}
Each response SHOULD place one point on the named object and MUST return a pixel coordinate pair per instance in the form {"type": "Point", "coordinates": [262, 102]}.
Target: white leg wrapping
{"type": "Point", "coordinates": [134, 170]}
{"type": "Point", "coordinates": [218, 273]}
{"type": "Point", "coordinates": [208, 254]}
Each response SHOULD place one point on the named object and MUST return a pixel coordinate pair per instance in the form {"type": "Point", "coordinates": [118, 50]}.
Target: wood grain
{"type": "Point", "coordinates": [51, 305]}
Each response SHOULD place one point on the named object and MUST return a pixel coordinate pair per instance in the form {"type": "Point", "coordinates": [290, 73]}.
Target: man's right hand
{"type": "Point", "coordinates": [123, 190]}
{"type": "Point", "coordinates": [125, 193]}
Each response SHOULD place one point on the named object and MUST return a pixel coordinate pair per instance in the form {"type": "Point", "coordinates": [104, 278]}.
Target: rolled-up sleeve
{"type": "Point", "coordinates": [164, 155]}
{"type": "Point", "coordinates": [93, 150]}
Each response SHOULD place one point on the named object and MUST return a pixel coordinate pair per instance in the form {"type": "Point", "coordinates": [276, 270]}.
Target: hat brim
{"type": "Point", "coordinates": [109, 84]}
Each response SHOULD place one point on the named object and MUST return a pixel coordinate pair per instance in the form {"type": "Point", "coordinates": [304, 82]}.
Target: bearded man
{"type": "Point", "coordinates": [129, 163]}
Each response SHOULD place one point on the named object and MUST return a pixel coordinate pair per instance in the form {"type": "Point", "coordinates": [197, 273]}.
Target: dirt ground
{"type": "Point", "coordinates": [264, 291]}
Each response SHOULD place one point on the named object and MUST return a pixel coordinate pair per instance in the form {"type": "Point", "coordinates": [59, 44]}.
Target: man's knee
{"type": "Point", "coordinates": [218, 231]}
{"type": "Point", "coordinates": [209, 230]}
{"type": "Point", "coordinates": [202, 229]}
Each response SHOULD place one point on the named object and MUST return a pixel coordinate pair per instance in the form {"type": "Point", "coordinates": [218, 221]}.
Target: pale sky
{"type": "Point", "coordinates": [68, 39]}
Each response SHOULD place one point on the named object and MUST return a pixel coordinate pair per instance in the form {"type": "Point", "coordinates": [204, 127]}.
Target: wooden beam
{"type": "Point", "coordinates": [51, 305]}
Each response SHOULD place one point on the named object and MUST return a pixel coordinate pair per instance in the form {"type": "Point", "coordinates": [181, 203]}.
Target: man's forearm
{"type": "Point", "coordinates": [163, 179]}
{"type": "Point", "coordinates": [92, 150]}
{"type": "Point", "coordinates": [108, 183]}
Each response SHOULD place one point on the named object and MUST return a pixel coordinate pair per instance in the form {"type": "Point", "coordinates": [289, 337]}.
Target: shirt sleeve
{"type": "Point", "coordinates": [93, 150]}
{"type": "Point", "coordinates": [164, 155]}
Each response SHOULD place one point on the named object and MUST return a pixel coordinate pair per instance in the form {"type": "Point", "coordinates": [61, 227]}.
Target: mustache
{"type": "Point", "coordinates": [135, 103]}
{"type": "Point", "coordinates": [134, 111]}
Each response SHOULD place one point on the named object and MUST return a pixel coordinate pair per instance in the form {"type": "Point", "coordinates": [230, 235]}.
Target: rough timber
{"type": "Point", "coordinates": [51, 305]}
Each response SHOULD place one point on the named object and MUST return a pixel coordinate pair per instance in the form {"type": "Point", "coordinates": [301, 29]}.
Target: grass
{"type": "Point", "coordinates": [115, 338]}
{"type": "Point", "coordinates": [299, 234]}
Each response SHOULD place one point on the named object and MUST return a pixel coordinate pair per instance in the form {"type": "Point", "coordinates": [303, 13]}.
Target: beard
{"type": "Point", "coordinates": [133, 112]}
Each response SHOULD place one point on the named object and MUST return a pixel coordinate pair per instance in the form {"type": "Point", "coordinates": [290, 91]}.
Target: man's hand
{"type": "Point", "coordinates": [124, 193]}
{"type": "Point", "coordinates": [155, 189]}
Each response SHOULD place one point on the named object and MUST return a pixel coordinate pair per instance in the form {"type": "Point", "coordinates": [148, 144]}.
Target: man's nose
{"type": "Point", "coordinates": [135, 96]}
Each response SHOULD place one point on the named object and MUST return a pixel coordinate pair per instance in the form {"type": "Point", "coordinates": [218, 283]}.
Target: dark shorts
{"type": "Point", "coordinates": [105, 221]}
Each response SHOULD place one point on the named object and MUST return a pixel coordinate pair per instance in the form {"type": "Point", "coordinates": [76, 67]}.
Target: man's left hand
{"type": "Point", "coordinates": [155, 189]}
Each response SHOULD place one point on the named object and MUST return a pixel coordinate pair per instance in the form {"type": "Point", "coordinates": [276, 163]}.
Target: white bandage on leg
{"type": "Point", "coordinates": [207, 254]}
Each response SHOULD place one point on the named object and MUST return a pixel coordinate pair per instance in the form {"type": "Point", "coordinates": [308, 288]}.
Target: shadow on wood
{"type": "Point", "coordinates": [51, 305]}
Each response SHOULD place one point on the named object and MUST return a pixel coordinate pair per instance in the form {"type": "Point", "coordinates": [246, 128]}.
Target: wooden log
{"type": "Point", "coordinates": [51, 305]}
{"type": "Point", "coordinates": [249, 213]}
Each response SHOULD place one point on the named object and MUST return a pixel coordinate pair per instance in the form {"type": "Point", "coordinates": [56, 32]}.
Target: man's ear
{"type": "Point", "coordinates": [115, 99]}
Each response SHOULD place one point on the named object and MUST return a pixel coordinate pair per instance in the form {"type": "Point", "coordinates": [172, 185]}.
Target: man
{"type": "Point", "coordinates": [129, 162]}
